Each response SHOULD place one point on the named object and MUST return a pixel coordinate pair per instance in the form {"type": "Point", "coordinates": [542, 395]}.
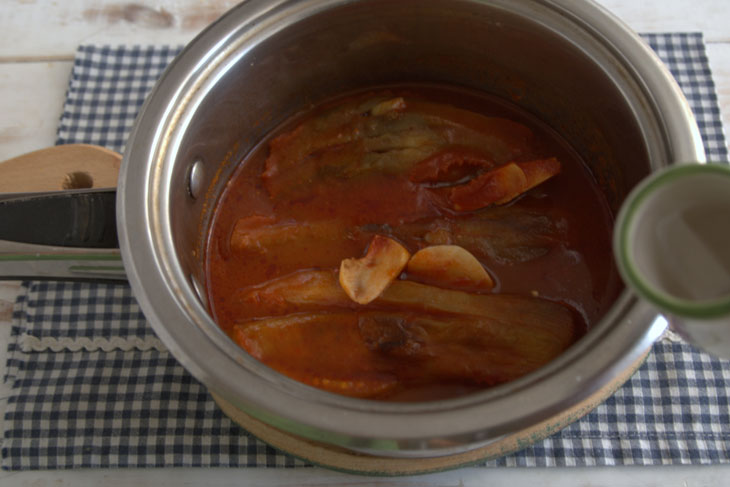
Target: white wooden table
{"type": "Point", "coordinates": [38, 39]}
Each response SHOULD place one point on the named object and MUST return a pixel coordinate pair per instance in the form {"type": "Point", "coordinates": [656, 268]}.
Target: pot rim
{"type": "Point", "coordinates": [170, 303]}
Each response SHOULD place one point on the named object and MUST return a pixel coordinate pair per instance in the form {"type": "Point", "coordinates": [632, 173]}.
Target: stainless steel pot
{"type": "Point", "coordinates": [570, 63]}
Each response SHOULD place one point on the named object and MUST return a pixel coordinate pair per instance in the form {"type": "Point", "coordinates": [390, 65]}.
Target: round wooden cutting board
{"type": "Point", "coordinates": [72, 166]}
{"type": "Point", "coordinates": [336, 458]}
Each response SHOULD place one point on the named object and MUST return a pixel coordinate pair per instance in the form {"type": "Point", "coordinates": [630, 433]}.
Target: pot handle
{"type": "Point", "coordinates": [60, 235]}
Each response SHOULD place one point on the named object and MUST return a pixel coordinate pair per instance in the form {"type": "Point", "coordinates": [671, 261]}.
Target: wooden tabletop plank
{"type": "Point", "coordinates": [707, 16]}
{"type": "Point", "coordinates": [51, 30]}
{"type": "Point", "coordinates": [31, 101]}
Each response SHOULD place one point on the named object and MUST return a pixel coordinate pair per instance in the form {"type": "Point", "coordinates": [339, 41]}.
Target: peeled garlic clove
{"type": "Point", "coordinates": [450, 266]}
{"type": "Point", "coordinates": [366, 278]}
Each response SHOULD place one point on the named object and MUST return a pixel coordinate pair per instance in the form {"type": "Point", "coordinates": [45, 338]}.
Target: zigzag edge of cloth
{"type": "Point", "coordinates": [124, 405]}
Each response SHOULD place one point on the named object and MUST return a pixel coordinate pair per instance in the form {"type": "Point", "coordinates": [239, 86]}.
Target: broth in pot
{"type": "Point", "coordinates": [410, 243]}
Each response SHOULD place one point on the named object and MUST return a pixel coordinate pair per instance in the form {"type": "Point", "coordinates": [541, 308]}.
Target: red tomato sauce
{"type": "Point", "coordinates": [399, 162]}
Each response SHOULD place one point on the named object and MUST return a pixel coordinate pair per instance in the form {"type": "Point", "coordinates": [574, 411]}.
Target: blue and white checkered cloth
{"type": "Point", "coordinates": [91, 386]}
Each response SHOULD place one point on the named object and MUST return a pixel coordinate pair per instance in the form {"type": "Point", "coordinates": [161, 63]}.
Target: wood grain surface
{"type": "Point", "coordinates": [71, 166]}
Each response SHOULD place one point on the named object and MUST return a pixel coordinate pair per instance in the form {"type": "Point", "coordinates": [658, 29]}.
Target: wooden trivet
{"type": "Point", "coordinates": [337, 458]}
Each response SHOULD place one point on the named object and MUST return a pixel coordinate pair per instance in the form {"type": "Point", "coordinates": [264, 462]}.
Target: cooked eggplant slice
{"type": "Point", "coordinates": [324, 350]}
{"type": "Point", "coordinates": [318, 289]}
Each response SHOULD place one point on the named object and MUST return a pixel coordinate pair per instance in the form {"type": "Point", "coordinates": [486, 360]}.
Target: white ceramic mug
{"type": "Point", "coordinates": [672, 246]}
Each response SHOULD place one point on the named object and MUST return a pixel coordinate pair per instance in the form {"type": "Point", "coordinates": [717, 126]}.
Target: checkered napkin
{"type": "Point", "coordinates": [91, 385]}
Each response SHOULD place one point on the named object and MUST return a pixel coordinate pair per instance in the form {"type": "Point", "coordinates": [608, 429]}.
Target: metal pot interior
{"type": "Point", "coordinates": [265, 61]}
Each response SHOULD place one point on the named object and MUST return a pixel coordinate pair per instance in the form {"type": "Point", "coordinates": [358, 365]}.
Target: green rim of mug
{"type": "Point", "coordinates": [706, 309]}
